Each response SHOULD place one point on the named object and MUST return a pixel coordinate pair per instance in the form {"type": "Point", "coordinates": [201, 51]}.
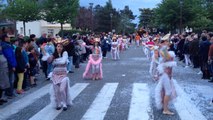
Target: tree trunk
{"type": "Point", "coordinates": [24, 28]}
{"type": "Point", "coordinates": [62, 32]}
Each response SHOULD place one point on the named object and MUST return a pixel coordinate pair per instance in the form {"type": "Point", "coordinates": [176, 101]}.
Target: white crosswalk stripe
{"type": "Point", "coordinates": [140, 102]}
{"type": "Point", "coordinates": [139, 107]}
{"type": "Point", "coordinates": [100, 105]}
{"type": "Point", "coordinates": [15, 107]}
{"type": "Point", "coordinates": [49, 113]}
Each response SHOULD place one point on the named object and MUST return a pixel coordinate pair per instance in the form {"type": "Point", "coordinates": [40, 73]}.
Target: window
{"type": "Point", "coordinates": [50, 32]}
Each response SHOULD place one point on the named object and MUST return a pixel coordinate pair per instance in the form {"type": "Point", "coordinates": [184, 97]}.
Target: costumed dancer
{"type": "Point", "coordinates": [165, 89]}
{"type": "Point", "coordinates": [145, 46]}
{"type": "Point", "coordinates": [115, 49]}
{"type": "Point", "coordinates": [125, 41]}
{"type": "Point", "coordinates": [150, 44]}
{"type": "Point", "coordinates": [154, 64]}
{"type": "Point", "coordinates": [94, 66]}
{"type": "Point", "coordinates": [120, 43]}
{"type": "Point", "coordinates": [60, 89]}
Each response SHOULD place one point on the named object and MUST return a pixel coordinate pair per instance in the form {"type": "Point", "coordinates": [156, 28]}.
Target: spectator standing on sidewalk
{"type": "Point", "coordinates": [186, 52]}
{"type": "Point", "coordinates": [20, 69]}
{"type": "Point", "coordinates": [210, 58]}
{"type": "Point", "coordinates": [70, 48]}
{"type": "Point", "coordinates": [7, 50]}
{"type": "Point", "coordinates": [194, 50]}
{"type": "Point", "coordinates": [4, 79]}
{"type": "Point", "coordinates": [203, 52]}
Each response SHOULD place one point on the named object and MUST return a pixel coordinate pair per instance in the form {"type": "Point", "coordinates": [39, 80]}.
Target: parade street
{"type": "Point", "coordinates": [126, 92]}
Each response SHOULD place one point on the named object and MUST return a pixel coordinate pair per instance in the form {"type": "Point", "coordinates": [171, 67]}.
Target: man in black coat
{"type": "Point", "coordinates": [203, 52]}
{"type": "Point", "coordinates": [71, 51]}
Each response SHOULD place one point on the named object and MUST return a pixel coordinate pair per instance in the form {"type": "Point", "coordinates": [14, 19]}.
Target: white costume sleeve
{"type": "Point", "coordinates": [63, 59]}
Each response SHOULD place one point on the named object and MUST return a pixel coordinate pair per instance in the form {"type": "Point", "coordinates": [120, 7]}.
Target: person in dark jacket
{"type": "Point", "coordinates": [180, 48]}
{"type": "Point", "coordinates": [104, 46]}
{"type": "Point", "coordinates": [33, 59]}
{"type": "Point", "coordinates": [70, 48]}
{"type": "Point", "coordinates": [4, 79]}
{"type": "Point", "coordinates": [203, 52]}
{"type": "Point", "coordinates": [194, 51]}
{"type": "Point", "coordinates": [7, 50]}
{"type": "Point", "coordinates": [186, 51]}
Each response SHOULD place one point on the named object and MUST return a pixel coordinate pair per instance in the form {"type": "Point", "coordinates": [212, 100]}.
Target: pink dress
{"type": "Point", "coordinates": [94, 65]}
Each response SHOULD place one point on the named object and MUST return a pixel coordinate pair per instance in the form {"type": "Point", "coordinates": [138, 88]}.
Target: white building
{"type": "Point", "coordinates": [39, 27]}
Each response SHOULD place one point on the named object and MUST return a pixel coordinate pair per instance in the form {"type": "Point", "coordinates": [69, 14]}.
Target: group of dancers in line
{"type": "Point", "coordinates": [60, 93]}
{"type": "Point", "coordinates": [162, 62]}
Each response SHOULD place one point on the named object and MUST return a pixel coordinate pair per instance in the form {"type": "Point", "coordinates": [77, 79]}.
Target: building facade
{"type": "Point", "coordinates": [40, 27]}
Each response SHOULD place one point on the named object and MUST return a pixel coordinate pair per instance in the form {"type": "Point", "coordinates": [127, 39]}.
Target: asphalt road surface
{"type": "Point", "coordinates": [125, 93]}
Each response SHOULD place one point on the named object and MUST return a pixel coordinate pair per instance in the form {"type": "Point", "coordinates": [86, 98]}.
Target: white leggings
{"type": "Point", "coordinates": [61, 92]}
{"type": "Point", "coordinates": [187, 60]}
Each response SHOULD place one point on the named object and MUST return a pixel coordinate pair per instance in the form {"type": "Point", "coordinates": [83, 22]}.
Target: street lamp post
{"type": "Point", "coordinates": [111, 21]}
{"type": "Point", "coordinates": [181, 16]}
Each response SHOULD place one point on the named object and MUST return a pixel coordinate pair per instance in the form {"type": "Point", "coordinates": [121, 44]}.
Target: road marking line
{"type": "Point", "coordinates": [49, 113]}
{"type": "Point", "coordinates": [16, 106]}
{"type": "Point", "coordinates": [140, 102]}
{"type": "Point", "coordinates": [185, 108]}
{"type": "Point", "coordinates": [100, 105]}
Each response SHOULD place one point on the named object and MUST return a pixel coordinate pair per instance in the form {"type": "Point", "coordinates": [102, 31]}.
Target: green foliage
{"type": "Point", "coordinates": [195, 13]}
{"type": "Point", "coordinates": [60, 11]}
{"type": "Point", "coordinates": [108, 18]}
{"type": "Point", "coordinates": [22, 10]}
{"type": "Point", "coordinates": [146, 18]}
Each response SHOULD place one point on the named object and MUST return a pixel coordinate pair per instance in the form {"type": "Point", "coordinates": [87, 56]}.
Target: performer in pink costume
{"type": "Point", "coordinates": [94, 66]}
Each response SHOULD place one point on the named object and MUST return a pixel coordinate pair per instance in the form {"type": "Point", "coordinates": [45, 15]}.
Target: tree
{"type": "Point", "coordinates": [60, 11]}
{"type": "Point", "coordinates": [84, 19]}
{"type": "Point", "coordinates": [22, 10]}
{"type": "Point", "coordinates": [172, 14]}
{"type": "Point", "coordinates": [126, 26]}
{"type": "Point", "coordinates": [146, 17]}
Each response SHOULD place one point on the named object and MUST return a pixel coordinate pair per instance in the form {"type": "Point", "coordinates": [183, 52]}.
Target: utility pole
{"type": "Point", "coordinates": [181, 16]}
{"type": "Point", "coordinates": [111, 21]}
{"type": "Point", "coordinates": [92, 23]}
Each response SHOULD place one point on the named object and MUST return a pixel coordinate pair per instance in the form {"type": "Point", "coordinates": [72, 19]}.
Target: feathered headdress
{"type": "Point", "coordinates": [166, 37]}
{"type": "Point", "coordinates": [59, 40]}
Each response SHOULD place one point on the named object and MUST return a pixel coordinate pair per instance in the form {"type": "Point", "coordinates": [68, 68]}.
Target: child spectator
{"type": "Point", "coordinates": [20, 69]}
{"type": "Point", "coordinates": [33, 61]}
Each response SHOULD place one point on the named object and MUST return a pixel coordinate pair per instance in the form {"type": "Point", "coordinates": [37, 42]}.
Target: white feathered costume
{"type": "Point", "coordinates": [166, 84]}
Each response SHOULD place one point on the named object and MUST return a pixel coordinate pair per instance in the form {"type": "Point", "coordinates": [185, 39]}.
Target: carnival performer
{"type": "Point", "coordinates": [120, 43]}
{"type": "Point", "coordinates": [149, 46]}
{"type": "Point", "coordinates": [125, 41]}
{"type": "Point", "coordinates": [165, 89]}
{"type": "Point", "coordinates": [154, 64]}
{"type": "Point", "coordinates": [115, 49]}
{"type": "Point", "coordinates": [60, 90]}
{"type": "Point", "coordinates": [94, 66]}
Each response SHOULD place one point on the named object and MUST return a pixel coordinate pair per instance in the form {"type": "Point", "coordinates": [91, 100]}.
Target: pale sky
{"type": "Point", "coordinates": [134, 5]}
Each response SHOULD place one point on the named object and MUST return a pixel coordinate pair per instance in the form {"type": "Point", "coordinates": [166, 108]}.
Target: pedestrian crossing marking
{"type": "Point", "coordinates": [139, 106]}
{"type": "Point", "coordinates": [140, 102]}
{"type": "Point", "coordinates": [185, 109]}
{"type": "Point", "coordinates": [50, 113]}
{"type": "Point", "coordinates": [100, 105]}
{"type": "Point", "coordinates": [15, 107]}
